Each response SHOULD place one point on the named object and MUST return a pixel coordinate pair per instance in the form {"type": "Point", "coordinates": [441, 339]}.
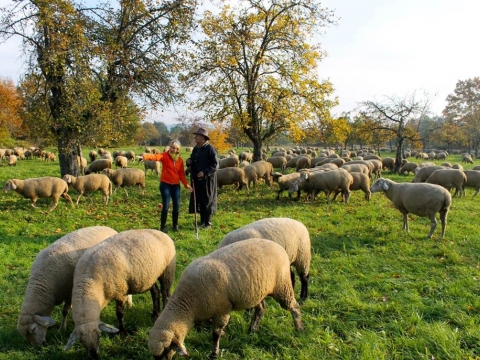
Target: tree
{"type": "Point", "coordinates": [256, 68]}
{"type": "Point", "coordinates": [395, 115]}
{"type": "Point", "coordinates": [463, 109]}
{"type": "Point", "coordinates": [91, 61]}
{"type": "Point", "coordinates": [11, 122]}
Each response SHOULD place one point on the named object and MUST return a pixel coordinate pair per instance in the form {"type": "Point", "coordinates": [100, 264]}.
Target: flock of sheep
{"type": "Point", "coordinates": [87, 268]}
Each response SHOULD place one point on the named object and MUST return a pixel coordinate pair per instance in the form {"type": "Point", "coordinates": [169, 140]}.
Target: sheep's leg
{"type": "Point", "coordinates": [292, 278]}
{"type": "Point", "coordinates": [32, 202]}
{"type": "Point", "coordinates": [286, 299]}
{"type": "Point", "coordinates": [347, 196]}
{"type": "Point", "coordinates": [55, 203]}
{"type": "Point", "coordinates": [335, 195]}
{"type": "Point", "coordinates": [67, 198]}
{"type": "Point", "coordinates": [405, 222]}
{"type": "Point", "coordinates": [218, 325]}
{"type": "Point", "coordinates": [121, 321]}
{"type": "Point", "coordinates": [443, 219]}
{"type": "Point", "coordinates": [434, 225]}
{"type": "Point", "coordinates": [155, 293]}
{"type": "Point", "coordinates": [66, 308]}
{"type": "Point", "coordinates": [78, 199]}
{"type": "Point", "coordinates": [257, 316]}
{"type": "Point", "coordinates": [279, 192]}
{"type": "Point", "coordinates": [124, 189]}
{"type": "Point", "coordinates": [304, 289]}
{"type": "Point", "coordinates": [476, 192]}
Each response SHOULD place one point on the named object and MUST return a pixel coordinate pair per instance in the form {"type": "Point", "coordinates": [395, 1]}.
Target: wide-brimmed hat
{"type": "Point", "coordinates": [203, 132]}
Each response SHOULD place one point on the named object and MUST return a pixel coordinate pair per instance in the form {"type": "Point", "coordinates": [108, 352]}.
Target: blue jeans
{"type": "Point", "coordinates": [170, 191]}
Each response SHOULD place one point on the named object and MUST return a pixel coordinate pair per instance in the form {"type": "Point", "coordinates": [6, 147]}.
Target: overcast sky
{"type": "Point", "coordinates": [379, 48]}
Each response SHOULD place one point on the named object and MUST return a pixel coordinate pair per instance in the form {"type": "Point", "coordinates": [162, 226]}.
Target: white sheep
{"type": "Point", "coordinates": [449, 178]}
{"type": "Point", "coordinates": [259, 170]}
{"type": "Point", "coordinates": [232, 175]}
{"type": "Point", "coordinates": [126, 177]}
{"type": "Point", "coordinates": [129, 262]}
{"type": "Point", "coordinates": [44, 187]}
{"type": "Point", "coordinates": [473, 180]}
{"type": "Point", "coordinates": [12, 160]}
{"type": "Point", "coordinates": [328, 182]}
{"type": "Point", "coordinates": [151, 165]}
{"type": "Point", "coordinates": [98, 165]}
{"type": "Point", "coordinates": [417, 198]}
{"type": "Point", "coordinates": [234, 277]}
{"type": "Point", "coordinates": [90, 183]}
{"type": "Point", "coordinates": [291, 234]}
{"type": "Point", "coordinates": [285, 182]}
{"type": "Point", "coordinates": [361, 181]}
{"type": "Point", "coordinates": [51, 281]}
{"type": "Point", "coordinates": [422, 173]}
{"type": "Point", "coordinates": [121, 161]}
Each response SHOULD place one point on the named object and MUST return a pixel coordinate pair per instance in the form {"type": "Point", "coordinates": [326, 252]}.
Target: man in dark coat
{"type": "Point", "coordinates": [203, 164]}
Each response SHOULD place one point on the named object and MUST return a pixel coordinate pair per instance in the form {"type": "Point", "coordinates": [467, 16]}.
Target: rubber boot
{"type": "Point", "coordinates": [163, 221]}
{"type": "Point", "coordinates": [175, 220]}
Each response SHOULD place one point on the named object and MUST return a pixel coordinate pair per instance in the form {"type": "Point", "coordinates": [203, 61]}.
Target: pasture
{"type": "Point", "coordinates": [375, 291]}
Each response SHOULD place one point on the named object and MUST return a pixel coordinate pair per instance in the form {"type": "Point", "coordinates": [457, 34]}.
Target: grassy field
{"type": "Point", "coordinates": [375, 291]}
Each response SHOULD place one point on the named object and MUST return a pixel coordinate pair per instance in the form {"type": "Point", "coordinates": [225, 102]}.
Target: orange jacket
{"type": "Point", "coordinates": [172, 171]}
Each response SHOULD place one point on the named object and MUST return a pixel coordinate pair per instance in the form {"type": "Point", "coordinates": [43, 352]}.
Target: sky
{"type": "Point", "coordinates": [379, 48]}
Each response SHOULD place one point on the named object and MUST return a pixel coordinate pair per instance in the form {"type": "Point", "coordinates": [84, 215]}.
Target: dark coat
{"type": "Point", "coordinates": [204, 159]}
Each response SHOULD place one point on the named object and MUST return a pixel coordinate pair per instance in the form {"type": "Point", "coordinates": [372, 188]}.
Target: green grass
{"type": "Point", "coordinates": [375, 291]}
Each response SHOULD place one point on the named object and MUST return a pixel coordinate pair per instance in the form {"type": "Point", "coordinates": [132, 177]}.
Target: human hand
{"type": "Point", "coordinates": [200, 174]}
{"type": "Point", "coordinates": [188, 162]}
{"type": "Point", "coordinates": [189, 188]}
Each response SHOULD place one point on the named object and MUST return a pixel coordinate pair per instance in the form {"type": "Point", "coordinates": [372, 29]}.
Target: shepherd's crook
{"type": "Point", "coordinates": [195, 206]}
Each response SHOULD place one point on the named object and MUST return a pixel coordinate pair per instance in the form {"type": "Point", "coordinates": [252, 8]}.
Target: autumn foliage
{"type": "Point", "coordinates": [218, 138]}
{"type": "Point", "coordinates": [11, 124]}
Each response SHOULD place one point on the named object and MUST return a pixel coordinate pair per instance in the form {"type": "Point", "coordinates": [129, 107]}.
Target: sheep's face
{"type": "Point", "coordinates": [34, 328]}
{"type": "Point", "coordinates": [89, 335]}
{"type": "Point", "coordinates": [9, 185]}
{"type": "Point", "coordinates": [379, 185]}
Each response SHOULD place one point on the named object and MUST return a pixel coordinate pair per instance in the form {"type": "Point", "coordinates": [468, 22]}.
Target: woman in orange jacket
{"type": "Point", "coordinates": [172, 173]}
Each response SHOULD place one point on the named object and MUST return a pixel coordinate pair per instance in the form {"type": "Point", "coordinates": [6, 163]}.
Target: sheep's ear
{"type": "Point", "coordinates": [385, 186]}
{"type": "Point", "coordinates": [71, 340]}
{"type": "Point", "coordinates": [13, 185]}
{"type": "Point", "coordinates": [43, 320]}
{"type": "Point", "coordinates": [108, 328]}
{"type": "Point", "coordinates": [179, 348]}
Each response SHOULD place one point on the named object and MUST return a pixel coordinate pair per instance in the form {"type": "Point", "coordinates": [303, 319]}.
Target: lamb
{"type": "Point", "coordinates": [291, 234]}
{"type": "Point", "coordinates": [232, 175]}
{"type": "Point", "coordinates": [421, 199]}
{"type": "Point", "coordinates": [51, 281]}
{"type": "Point", "coordinates": [361, 181]}
{"type": "Point", "coordinates": [328, 182]}
{"type": "Point", "coordinates": [151, 165]}
{"type": "Point", "coordinates": [473, 180]}
{"type": "Point", "coordinates": [129, 262]}
{"type": "Point", "coordinates": [278, 162]}
{"type": "Point", "coordinates": [234, 277]}
{"type": "Point", "coordinates": [258, 170]}
{"type": "Point", "coordinates": [284, 182]}
{"type": "Point", "coordinates": [126, 177]}
{"type": "Point", "coordinates": [43, 187]}
{"type": "Point", "coordinates": [90, 183]}
{"type": "Point", "coordinates": [422, 174]}
{"type": "Point", "coordinates": [121, 161]}
{"type": "Point", "coordinates": [98, 165]}
{"type": "Point", "coordinates": [449, 178]}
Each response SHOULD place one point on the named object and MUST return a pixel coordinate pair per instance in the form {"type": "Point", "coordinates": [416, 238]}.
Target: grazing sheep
{"type": "Point", "coordinates": [243, 164]}
{"type": "Point", "coordinates": [126, 177]}
{"type": "Point", "coordinates": [121, 161]}
{"type": "Point", "coordinates": [51, 281]}
{"type": "Point", "coordinates": [467, 158]}
{"type": "Point", "coordinates": [359, 168]}
{"type": "Point", "coordinates": [304, 162]}
{"type": "Point", "coordinates": [129, 262]}
{"type": "Point", "coordinates": [152, 165]}
{"type": "Point", "coordinates": [292, 163]}
{"type": "Point", "coordinates": [284, 182]}
{"type": "Point", "coordinates": [457, 166]}
{"type": "Point", "coordinates": [278, 162]}
{"type": "Point", "coordinates": [328, 182]}
{"type": "Point", "coordinates": [231, 161]}
{"type": "Point", "coordinates": [98, 165]}
{"type": "Point", "coordinates": [130, 155]}
{"type": "Point", "coordinates": [422, 173]}
{"type": "Point", "coordinates": [388, 163]}
{"type": "Point", "coordinates": [417, 198]}
{"type": "Point", "coordinates": [92, 155]}
{"type": "Point", "coordinates": [473, 180]}
{"type": "Point", "coordinates": [90, 183]}
{"type": "Point", "coordinates": [259, 170]}
{"type": "Point", "coordinates": [234, 277]}
{"type": "Point", "coordinates": [245, 156]}
{"type": "Point", "coordinates": [291, 234]}
{"type": "Point", "coordinates": [44, 187]}
{"type": "Point", "coordinates": [232, 175]}
{"type": "Point", "coordinates": [12, 160]}
{"type": "Point", "coordinates": [407, 168]}
{"type": "Point", "coordinates": [361, 181]}
{"type": "Point", "coordinates": [449, 178]}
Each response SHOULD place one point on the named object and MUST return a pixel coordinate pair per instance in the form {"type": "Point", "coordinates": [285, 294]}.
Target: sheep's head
{"type": "Point", "coordinates": [34, 328]}
{"type": "Point", "coordinates": [68, 179]}
{"type": "Point", "coordinates": [89, 335]}
{"type": "Point", "coordinates": [165, 344]}
{"type": "Point", "coordinates": [380, 185]}
{"type": "Point", "coordinates": [276, 176]}
{"type": "Point", "coordinates": [9, 185]}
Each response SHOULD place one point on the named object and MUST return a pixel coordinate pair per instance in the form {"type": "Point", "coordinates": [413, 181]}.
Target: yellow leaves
{"type": "Point", "coordinates": [218, 138]}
